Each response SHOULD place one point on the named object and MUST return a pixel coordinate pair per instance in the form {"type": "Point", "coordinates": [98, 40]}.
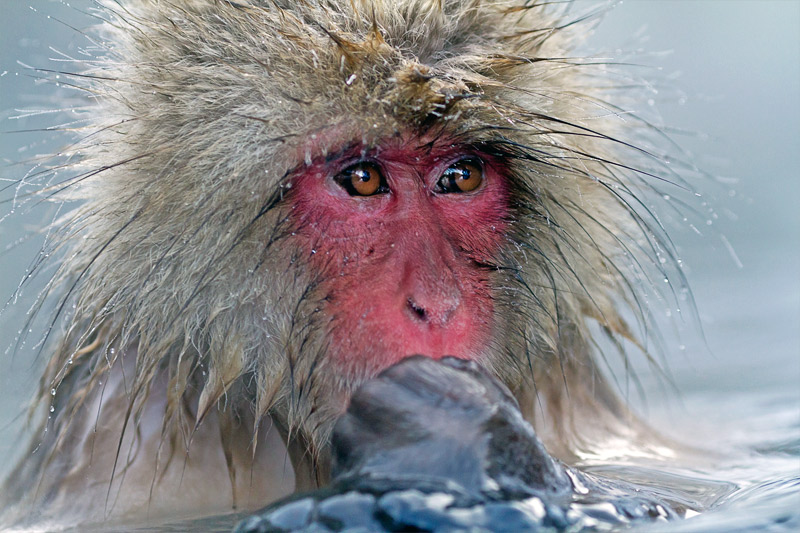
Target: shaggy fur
{"type": "Point", "coordinates": [178, 262]}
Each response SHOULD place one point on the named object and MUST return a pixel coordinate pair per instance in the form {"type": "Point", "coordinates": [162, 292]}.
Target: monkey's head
{"type": "Point", "coordinates": [280, 199]}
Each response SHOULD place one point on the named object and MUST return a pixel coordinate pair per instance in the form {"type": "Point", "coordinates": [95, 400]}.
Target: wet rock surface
{"type": "Point", "coordinates": [441, 446]}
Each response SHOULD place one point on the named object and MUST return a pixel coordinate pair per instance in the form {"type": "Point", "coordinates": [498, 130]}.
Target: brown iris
{"type": "Point", "coordinates": [464, 176]}
{"type": "Point", "coordinates": [362, 179]}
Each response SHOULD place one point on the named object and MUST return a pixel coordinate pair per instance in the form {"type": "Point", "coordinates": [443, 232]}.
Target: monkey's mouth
{"type": "Point", "coordinates": [383, 338]}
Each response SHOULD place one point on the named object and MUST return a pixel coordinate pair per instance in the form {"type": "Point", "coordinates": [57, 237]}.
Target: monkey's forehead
{"type": "Point", "coordinates": [285, 70]}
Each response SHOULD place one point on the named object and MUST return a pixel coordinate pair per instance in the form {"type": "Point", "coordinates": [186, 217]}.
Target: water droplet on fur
{"type": "Point", "coordinates": [52, 392]}
{"type": "Point", "coordinates": [52, 409]}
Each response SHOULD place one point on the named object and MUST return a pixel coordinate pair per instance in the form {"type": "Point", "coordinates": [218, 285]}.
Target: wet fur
{"type": "Point", "coordinates": [178, 265]}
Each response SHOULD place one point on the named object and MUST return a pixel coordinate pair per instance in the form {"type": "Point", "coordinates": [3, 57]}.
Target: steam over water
{"type": "Point", "coordinates": [738, 114]}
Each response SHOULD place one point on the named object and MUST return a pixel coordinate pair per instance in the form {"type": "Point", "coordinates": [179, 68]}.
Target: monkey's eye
{"type": "Point", "coordinates": [362, 179]}
{"type": "Point", "coordinates": [464, 176]}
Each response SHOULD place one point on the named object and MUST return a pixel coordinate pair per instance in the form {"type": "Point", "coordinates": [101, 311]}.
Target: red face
{"type": "Point", "coordinates": [401, 235]}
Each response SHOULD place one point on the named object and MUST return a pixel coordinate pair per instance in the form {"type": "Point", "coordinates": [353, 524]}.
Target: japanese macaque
{"type": "Point", "coordinates": [275, 200]}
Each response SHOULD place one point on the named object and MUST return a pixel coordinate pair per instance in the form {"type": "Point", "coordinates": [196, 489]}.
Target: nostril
{"type": "Point", "coordinates": [417, 310]}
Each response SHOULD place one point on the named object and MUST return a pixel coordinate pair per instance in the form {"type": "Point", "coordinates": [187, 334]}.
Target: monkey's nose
{"type": "Point", "coordinates": [429, 287]}
{"type": "Point", "coordinates": [435, 312]}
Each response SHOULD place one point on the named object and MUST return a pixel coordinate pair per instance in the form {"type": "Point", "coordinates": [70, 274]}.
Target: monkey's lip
{"type": "Point", "coordinates": [435, 357]}
{"type": "Point", "coordinates": [385, 337]}
{"type": "Point", "coordinates": [435, 343]}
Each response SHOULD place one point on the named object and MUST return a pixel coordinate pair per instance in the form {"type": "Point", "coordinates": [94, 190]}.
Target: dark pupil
{"type": "Point", "coordinates": [362, 175]}
{"type": "Point", "coordinates": [452, 177]}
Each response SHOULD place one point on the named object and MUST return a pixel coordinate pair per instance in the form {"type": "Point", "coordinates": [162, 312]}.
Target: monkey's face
{"type": "Point", "coordinates": [403, 234]}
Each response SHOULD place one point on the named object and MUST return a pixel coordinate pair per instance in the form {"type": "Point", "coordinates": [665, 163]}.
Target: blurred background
{"type": "Point", "coordinates": [734, 106]}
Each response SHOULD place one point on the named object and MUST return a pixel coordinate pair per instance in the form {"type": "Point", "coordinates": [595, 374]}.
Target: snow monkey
{"type": "Point", "coordinates": [270, 201]}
